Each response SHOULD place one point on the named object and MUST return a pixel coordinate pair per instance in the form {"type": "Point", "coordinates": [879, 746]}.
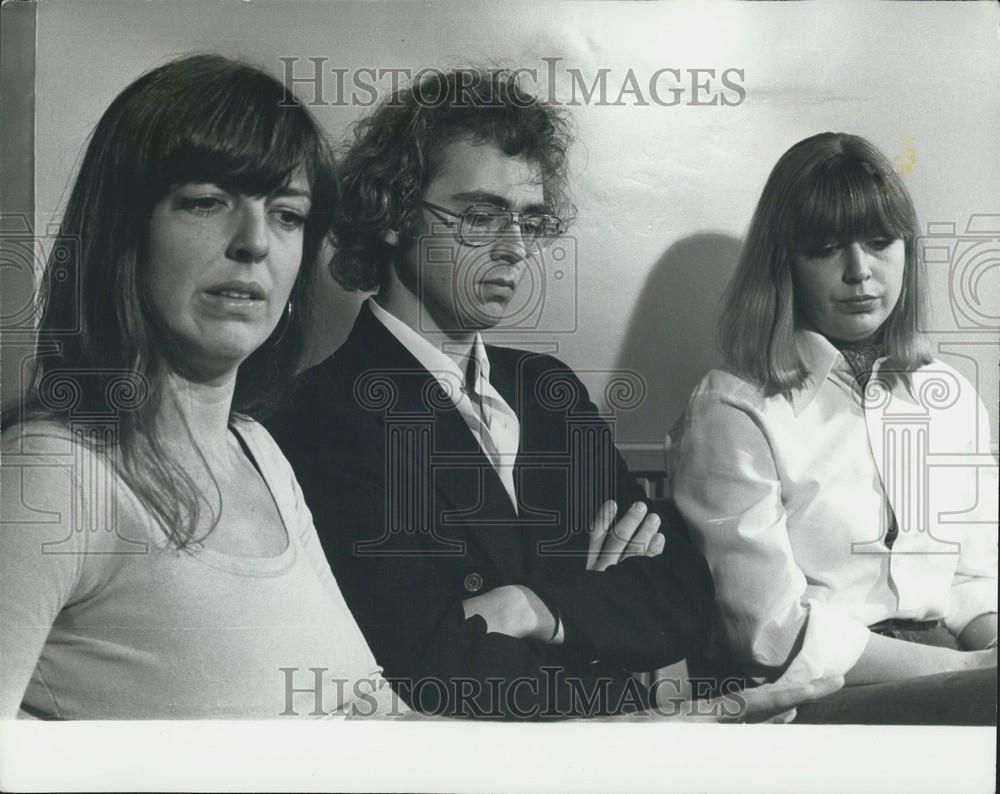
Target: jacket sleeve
{"type": "Point", "coordinates": [645, 612]}
{"type": "Point", "coordinates": [383, 557]}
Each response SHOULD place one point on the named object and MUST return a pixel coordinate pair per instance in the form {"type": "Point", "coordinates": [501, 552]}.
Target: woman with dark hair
{"type": "Point", "coordinates": [157, 559]}
{"type": "Point", "coordinates": [805, 467]}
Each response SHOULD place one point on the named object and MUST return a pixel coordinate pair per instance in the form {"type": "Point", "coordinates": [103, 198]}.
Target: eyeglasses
{"type": "Point", "coordinates": [480, 224]}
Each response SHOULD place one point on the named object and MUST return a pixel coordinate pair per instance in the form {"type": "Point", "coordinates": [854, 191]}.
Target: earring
{"type": "Point", "coordinates": [287, 317]}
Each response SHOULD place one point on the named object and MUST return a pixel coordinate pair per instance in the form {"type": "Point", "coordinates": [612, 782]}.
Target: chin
{"type": "Point", "coordinates": [486, 323]}
{"type": "Point", "coordinates": [856, 334]}
{"type": "Point", "coordinates": [482, 317]}
{"type": "Point", "coordinates": [232, 351]}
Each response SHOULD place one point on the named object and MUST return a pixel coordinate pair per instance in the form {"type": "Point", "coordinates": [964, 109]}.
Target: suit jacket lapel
{"type": "Point", "coordinates": [377, 356]}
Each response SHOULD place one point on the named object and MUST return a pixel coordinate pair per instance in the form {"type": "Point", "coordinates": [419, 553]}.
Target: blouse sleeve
{"type": "Point", "coordinates": [728, 490]}
{"type": "Point", "coordinates": [41, 554]}
{"type": "Point", "coordinates": [974, 587]}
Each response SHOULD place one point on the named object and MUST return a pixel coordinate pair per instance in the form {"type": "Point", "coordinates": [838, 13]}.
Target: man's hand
{"type": "Point", "coordinates": [636, 533]}
{"type": "Point", "coordinates": [514, 610]}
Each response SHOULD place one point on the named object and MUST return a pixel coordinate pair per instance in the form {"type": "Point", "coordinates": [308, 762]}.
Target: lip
{"type": "Point", "coordinates": [502, 283]}
{"type": "Point", "coordinates": [240, 300]}
{"type": "Point", "coordinates": [236, 290]}
{"type": "Point", "coordinates": [857, 304]}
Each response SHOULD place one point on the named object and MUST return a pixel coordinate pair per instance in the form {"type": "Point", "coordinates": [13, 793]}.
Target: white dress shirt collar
{"type": "Point", "coordinates": [500, 439]}
{"type": "Point", "coordinates": [436, 362]}
{"type": "Point", "coordinates": [820, 357]}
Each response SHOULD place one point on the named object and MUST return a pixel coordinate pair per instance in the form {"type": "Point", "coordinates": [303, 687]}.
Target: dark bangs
{"type": "Point", "coordinates": [240, 130]}
{"type": "Point", "coordinates": [844, 199]}
{"type": "Point", "coordinates": [209, 119]}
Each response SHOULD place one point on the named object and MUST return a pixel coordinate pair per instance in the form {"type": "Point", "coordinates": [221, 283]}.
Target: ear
{"type": "Point", "coordinates": [391, 237]}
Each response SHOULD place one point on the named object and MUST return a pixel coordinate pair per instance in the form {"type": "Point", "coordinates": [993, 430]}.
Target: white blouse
{"type": "Point", "coordinates": [790, 501]}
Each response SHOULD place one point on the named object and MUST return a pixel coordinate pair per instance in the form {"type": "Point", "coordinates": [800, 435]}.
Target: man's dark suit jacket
{"type": "Point", "coordinates": [414, 519]}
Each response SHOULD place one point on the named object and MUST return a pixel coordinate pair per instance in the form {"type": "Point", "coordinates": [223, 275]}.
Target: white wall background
{"type": "Point", "coordinates": [664, 193]}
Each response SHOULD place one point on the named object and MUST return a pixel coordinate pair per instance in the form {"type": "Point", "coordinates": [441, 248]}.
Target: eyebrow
{"type": "Point", "coordinates": [485, 197]}
{"type": "Point", "coordinates": [289, 191]}
{"type": "Point", "coordinates": [286, 191]}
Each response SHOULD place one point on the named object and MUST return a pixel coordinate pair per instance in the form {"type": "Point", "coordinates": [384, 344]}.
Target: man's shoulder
{"type": "Point", "coordinates": [538, 381]}
{"type": "Point", "coordinates": [323, 420]}
{"type": "Point", "coordinates": [318, 400]}
{"type": "Point", "coordinates": [318, 383]}
{"type": "Point", "coordinates": [335, 377]}
{"type": "Point", "coordinates": [526, 361]}
{"type": "Point", "coordinates": [348, 394]}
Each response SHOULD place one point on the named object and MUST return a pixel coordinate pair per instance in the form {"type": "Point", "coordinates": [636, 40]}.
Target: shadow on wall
{"type": "Point", "coordinates": [670, 339]}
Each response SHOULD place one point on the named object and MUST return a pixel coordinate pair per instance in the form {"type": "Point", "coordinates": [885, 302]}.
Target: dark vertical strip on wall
{"type": "Point", "coordinates": [22, 248]}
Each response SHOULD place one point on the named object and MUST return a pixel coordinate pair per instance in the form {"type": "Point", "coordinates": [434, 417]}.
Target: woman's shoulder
{"type": "Point", "coordinates": [726, 385]}
{"type": "Point", "coordinates": [260, 441]}
{"type": "Point", "coordinates": [58, 483]}
{"type": "Point", "coordinates": [939, 382]}
{"type": "Point", "coordinates": [940, 386]}
{"type": "Point", "coordinates": [48, 444]}
{"type": "Point", "coordinates": [273, 464]}
{"type": "Point", "coordinates": [939, 367]}
{"type": "Point", "coordinates": [38, 437]}
{"type": "Point", "coordinates": [275, 468]}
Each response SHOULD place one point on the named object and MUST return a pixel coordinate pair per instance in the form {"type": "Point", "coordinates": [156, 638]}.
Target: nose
{"type": "Point", "coordinates": [511, 244]}
{"type": "Point", "coordinates": [857, 264]}
{"type": "Point", "coordinates": [250, 240]}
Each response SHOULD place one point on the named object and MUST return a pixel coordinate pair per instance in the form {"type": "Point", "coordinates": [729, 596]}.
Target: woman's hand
{"type": "Point", "coordinates": [980, 633]}
{"type": "Point", "coordinates": [768, 703]}
{"type": "Point", "coordinates": [772, 702]}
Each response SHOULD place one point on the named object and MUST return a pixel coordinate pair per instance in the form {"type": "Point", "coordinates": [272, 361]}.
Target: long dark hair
{"type": "Point", "coordinates": [831, 187]}
{"type": "Point", "coordinates": [200, 118]}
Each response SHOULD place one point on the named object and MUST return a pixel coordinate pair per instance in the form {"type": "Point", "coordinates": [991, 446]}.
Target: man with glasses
{"type": "Point", "coordinates": [465, 493]}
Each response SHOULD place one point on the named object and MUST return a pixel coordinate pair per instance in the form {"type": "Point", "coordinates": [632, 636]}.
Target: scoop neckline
{"type": "Point", "coordinates": [260, 566]}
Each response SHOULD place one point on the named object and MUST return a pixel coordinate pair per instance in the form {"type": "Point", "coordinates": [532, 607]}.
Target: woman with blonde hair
{"type": "Point", "coordinates": [835, 545]}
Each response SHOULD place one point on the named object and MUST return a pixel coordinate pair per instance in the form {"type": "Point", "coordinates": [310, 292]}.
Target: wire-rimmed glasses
{"type": "Point", "coordinates": [481, 224]}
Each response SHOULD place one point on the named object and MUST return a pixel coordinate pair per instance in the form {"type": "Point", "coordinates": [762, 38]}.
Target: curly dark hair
{"type": "Point", "coordinates": [395, 152]}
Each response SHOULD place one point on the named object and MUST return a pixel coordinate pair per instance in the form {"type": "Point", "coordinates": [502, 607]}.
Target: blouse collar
{"type": "Point", "coordinates": [820, 357]}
